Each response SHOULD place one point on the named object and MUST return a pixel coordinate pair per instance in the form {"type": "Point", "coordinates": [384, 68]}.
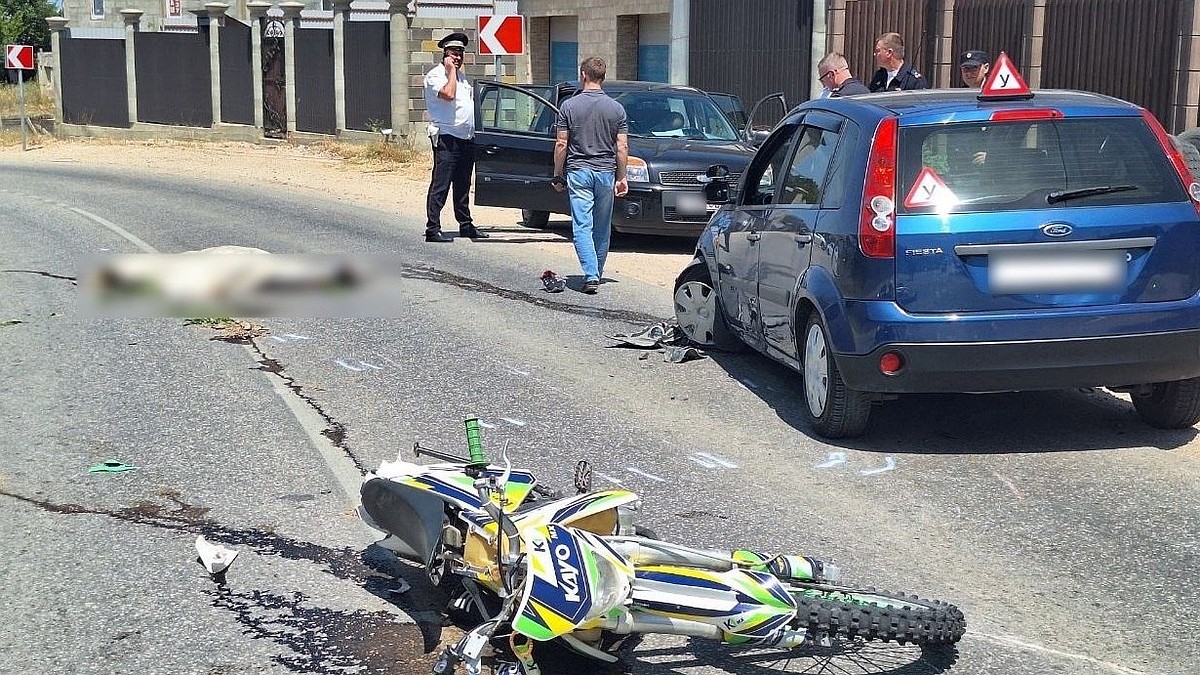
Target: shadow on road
{"type": "Point", "coordinates": [621, 243]}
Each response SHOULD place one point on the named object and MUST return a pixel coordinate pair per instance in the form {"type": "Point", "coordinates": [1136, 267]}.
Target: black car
{"type": "Point", "coordinates": [675, 134]}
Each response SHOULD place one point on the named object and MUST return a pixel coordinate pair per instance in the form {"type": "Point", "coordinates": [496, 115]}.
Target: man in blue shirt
{"type": "Point", "coordinates": [591, 147]}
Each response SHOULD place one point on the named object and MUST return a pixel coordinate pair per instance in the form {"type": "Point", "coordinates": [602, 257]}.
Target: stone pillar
{"type": "Point", "coordinates": [341, 12]}
{"type": "Point", "coordinates": [402, 13]}
{"type": "Point", "coordinates": [1033, 46]}
{"type": "Point", "coordinates": [257, 10]}
{"type": "Point", "coordinates": [817, 50]}
{"type": "Point", "coordinates": [57, 25]}
{"type": "Point", "coordinates": [680, 40]}
{"type": "Point", "coordinates": [291, 19]}
{"type": "Point", "coordinates": [944, 68]}
{"type": "Point", "coordinates": [835, 31]}
{"type": "Point", "coordinates": [216, 17]}
{"type": "Point", "coordinates": [132, 18]}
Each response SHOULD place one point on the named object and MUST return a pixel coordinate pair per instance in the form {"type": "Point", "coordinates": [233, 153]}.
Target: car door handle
{"type": "Point", "coordinates": [753, 236]}
{"type": "Point", "coordinates": [491, 149]}
{"type": "Point", "coordinates": [803, 238]}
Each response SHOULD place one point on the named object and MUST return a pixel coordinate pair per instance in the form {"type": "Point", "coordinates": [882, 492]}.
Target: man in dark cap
{"type": "Point", "coordinates": [974, 66]}
{"type": "Point", "coordinates": [450, 106]}
{"type": "Point", "coordinates": [894, 73]}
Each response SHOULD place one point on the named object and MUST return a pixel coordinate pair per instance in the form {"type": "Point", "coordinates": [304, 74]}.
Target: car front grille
{"type": "Point", "coordinates": [687, 178]}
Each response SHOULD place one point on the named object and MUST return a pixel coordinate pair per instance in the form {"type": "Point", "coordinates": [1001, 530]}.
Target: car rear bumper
{"type": "Point", "coordinates": [1029, 365]}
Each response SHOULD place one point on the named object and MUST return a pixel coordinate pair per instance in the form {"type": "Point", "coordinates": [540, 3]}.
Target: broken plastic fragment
{"type": "Point", "coordinates": [111, 466]}
{"type": "Point", "coordinates": [215, 558]}
{"type": "Point", "coordinates": [681, 354]}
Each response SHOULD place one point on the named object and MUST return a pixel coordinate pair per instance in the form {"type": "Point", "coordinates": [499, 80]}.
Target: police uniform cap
{"type": "Point", "coordinates": [454, 40]}
{"type": "Point", "coordinates": [974, 57]}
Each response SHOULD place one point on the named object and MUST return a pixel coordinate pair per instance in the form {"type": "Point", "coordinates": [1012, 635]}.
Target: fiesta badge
{"type": "Point", "coordinates": [1057, 229]}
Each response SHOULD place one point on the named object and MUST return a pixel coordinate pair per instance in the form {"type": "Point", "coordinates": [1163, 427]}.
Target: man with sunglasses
{"type": "Point", "coordinates": [894, 73]}
{"type": "Point", "coordinates": [834, 74]}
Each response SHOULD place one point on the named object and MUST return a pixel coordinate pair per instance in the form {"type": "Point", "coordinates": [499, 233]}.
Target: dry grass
{"type": "Point", "coordinates": [10, 136]}
{"type": "Point", "coordinates": [36, 103]}
{"type": "Point", "coordinates": [377, 156]}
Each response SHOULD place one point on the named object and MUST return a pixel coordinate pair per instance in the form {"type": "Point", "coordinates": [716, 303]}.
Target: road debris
{"type": "Point", "coordinates": [111, 466]}
{"type": "Point", "coordinates": [552, 282]}
{"type": "Point", "coordinates": [215, 558]}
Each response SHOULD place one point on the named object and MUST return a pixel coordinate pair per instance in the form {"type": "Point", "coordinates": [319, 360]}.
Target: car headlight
{"type": "Point", "coordinates": [636, 170]}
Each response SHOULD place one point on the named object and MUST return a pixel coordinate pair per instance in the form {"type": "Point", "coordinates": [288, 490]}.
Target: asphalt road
{"type": "Point", "coordinates": [1065, 529]}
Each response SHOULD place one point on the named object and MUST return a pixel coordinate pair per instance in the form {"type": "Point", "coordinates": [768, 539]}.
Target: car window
{"type": "Point", "coordinates": [732, 106]}
{"type": "Point", "coordinates": [760, 178]}
{"type": "Point", "coordinates": [983, 166]}
{"type": "Point", "coordinates": [674, 114]}
{"type": "Point", "coordinates": [513, 111]}
{"type": "Point", "coordinates": [806, 174]}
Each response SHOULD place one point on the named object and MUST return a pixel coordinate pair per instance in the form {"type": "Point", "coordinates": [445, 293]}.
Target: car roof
{"type": "Point", "coordinates": [947, 105]}
{"type": "Point", "coordinates": [636, 85]}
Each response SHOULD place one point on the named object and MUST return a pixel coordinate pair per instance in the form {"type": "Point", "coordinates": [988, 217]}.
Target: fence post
{"type": "Point", "coordinates": [132, 18]}
{"type": "Point", "coordinates": [57, 25]}
{"type": "Point", "coordinates": [258, 10]}
{"type": "Point", "coordinates": [401, 13]}
{"type": "Point", "coordinates": [1033, 44]}
{"type": "Point", "coordinates": [341, 11]}
{"type": "Point", "coordinates": [291, 16]}
{"type": "Point", "coordinates": [216, 17]}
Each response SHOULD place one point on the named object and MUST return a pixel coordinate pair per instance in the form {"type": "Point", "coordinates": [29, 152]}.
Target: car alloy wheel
{"type": "Point", "coordinates": [816, 370]}
{"type": "Point", "coordinates": [696, 310]}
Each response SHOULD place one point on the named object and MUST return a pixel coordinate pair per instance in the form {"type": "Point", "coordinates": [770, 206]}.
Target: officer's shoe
{"type": "Point", "coordinates": [472, 233]}
{"type": "Point", "coordinates": [438, 237]}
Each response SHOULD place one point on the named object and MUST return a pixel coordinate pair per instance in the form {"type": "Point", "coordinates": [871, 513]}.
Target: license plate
{"type": "Point", "coordinates": [1060, 272]}
{"type": "Point", "coordinates": [691, 204]}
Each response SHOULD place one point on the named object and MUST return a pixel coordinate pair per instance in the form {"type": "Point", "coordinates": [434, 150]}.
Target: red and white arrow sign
{"type": "Point", "coordinates": [502, 34]}
{"type": "Point", "coordinates": [19, 57]}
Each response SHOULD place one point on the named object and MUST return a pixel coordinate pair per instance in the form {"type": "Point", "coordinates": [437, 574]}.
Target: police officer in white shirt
{"type": "Point", "coordinates": [450, 104]}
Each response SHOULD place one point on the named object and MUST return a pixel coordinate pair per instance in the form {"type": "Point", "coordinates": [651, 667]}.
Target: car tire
{"type": "Point", "coordinates": [833, 409]}
{"type": "Point", "coordinates": [538, 220]}
{"type": "Point", "coordinates": [1170, 405]}
{"type": "Point", "coordinates": [698, 311]}
{"type": "Point", "coordinates": [1191, 153]}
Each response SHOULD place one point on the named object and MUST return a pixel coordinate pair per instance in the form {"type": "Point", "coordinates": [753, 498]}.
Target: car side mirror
{"type": "Point", "coordinates": [716, 184]}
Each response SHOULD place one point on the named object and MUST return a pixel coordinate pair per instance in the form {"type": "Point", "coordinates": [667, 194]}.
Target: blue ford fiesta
{"type": "Point", "coordinates": [952, 241]}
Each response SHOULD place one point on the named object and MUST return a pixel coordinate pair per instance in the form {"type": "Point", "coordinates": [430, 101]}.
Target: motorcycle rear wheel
{"type": "Point", "coordinates": [841, 612]}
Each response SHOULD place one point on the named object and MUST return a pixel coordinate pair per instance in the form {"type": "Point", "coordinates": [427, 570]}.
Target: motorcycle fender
{"type": "Point", "coordinates": [414, 518]}
{"type": "Point", "coordinates": [747, 606]}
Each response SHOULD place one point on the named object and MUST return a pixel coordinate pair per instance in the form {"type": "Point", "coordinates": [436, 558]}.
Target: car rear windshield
{"type": "Point", "coordinates": [1040, 164]}
{"type": "Point", "coordinates": [681, 114]}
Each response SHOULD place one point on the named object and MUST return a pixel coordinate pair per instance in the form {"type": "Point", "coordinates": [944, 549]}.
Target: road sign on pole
{"type": "Point", "coordinates": [501, 34]}
{"type": "Point", "coordinates": [19, 57]}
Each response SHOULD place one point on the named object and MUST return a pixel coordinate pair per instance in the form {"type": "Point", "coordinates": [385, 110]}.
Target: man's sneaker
{"type": "Point", "coordinates": [591, 286]}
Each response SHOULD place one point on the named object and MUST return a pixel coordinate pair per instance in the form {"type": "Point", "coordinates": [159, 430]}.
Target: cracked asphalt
{"type": "Point", "coordinates": [1064, 529]}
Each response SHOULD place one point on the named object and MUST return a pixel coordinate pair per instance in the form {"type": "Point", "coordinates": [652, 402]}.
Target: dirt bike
{"type": "Point", "coordinates": [536, 566]}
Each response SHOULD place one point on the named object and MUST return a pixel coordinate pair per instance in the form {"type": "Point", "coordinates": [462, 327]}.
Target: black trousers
{"type": "Point", "coordinates": [453, 163]}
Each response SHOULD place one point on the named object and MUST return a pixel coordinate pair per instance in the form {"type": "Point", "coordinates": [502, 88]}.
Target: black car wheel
{"type": "Point", "coordinates": [698, 311]}
{"type": "Point", "coordinates": [834, 410]}
{"type": "Point", "coordinates": [1170, 405]}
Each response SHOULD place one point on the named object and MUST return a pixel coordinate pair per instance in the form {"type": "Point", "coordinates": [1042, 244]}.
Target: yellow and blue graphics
{"type": "Point", "coordinates": [748, 606]}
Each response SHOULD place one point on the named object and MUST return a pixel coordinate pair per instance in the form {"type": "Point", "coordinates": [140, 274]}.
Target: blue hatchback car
{"type": "Point", "coordinates": [948, 241]}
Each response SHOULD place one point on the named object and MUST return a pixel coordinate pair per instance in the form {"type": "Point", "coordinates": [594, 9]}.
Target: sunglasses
{"type": "Point", "coordinates": [828, 73]}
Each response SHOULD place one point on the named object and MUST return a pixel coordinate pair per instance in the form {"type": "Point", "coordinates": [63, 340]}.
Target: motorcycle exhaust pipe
{"type": "Point", "coordinates": [649, 623]}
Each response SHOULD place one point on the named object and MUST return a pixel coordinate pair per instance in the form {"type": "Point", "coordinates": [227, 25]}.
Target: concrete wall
{"type": "Point", "coordinates": [601, 30]}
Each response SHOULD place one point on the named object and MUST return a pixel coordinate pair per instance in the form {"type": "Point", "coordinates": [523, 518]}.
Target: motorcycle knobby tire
{"type": "Point", "coordinates": [902, 619]}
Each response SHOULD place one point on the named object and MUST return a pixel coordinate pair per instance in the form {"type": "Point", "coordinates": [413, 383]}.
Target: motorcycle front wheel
{"type": "Point", "coordinates": [841, 612]}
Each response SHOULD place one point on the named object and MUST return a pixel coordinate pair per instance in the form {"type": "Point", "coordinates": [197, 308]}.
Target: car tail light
{"type": "Point", "coordinates": [1181, 167]}
{"type": "Point", "coordinates": [877, 224]}
{"type": "Point", "coordinates": [1026, 115]}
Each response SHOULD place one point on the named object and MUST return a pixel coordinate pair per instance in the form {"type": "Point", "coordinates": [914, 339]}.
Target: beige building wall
{"type": "Point", "coordinates": [605, 30]}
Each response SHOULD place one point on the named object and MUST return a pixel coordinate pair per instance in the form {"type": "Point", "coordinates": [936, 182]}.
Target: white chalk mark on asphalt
{"type": "Point", "coordinates": [1011, 486]}
{"type": "Point", "coordinates": [485, 425]}
{"type": "Point", "coordinates": [517, 371]}
{"type": "Point", "coordinates": [347, 366]}
{"type": "Point", "coordinates": [889, 464]}
{"type": "Point", "coordinates": [372, 366]}
{"type": "Point", "coordinates": [835, 459]}
{"type": "Point", "coordinates": [117, 229]}
{"type": "Point", "coordinates": [278, 339]}
{"type": "Point", "coordinates": [513, 421]}
{"type": "Point", "coordinates": [293, 336]}
{"type": "Point", "coordinates": [717, 459]}
{"type": "Point", "coordinates": [634, 469]}
{"type": "Point", "coordinates": [697, 458]}
{"type": "Point", "coordinates": [616, 481]}
{"type": "Point", "coordinates": [1029, 646]}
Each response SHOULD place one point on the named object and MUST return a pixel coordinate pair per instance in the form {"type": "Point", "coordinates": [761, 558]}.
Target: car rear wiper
{"type": "Point", "coordinates": [1064, 195]}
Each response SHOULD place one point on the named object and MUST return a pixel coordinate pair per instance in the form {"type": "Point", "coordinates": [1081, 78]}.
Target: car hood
{"type": "Point", "coordinates": [666, 153]}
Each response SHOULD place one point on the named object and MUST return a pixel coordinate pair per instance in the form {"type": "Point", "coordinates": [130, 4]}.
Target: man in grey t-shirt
{"type": "Point", "coordinates": [592, 146]}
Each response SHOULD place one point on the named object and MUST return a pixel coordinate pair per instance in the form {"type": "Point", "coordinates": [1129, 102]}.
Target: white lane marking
{"type": "Point", "coordinates": [634, 469]}
{"type": "Point", "coordinates": [117, 229]}
{"type": "Point", "coordinates": [372, 366]}
{"type": "Point", "coordinates": [347, 366]}
{"type": "Point", "coordinates": [1029, 646]}
{"type": "Point", "coordinates": [702, 462]}
{"type": "Point", "coordinates": [718, 459]}
{"type": "Point", "coordinates": [889, 463]}
{"type": "Point", "coordinates": [1011, 486]}
{"type": "Point", "coordinates": [835, 458]}
{"type": "Point", "coordinates": [513, 421]}
{"type": "Point", "coordinates": [610, 479]}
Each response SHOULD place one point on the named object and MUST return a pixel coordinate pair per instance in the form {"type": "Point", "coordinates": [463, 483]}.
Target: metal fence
{"type": "Point", "coordinates": [866, 20]}
{"type": "Point", "coordinates": [173, 78]}
{"type": "Point", "coordinates": [315, 110]}
{"type": "Point", "coordinates": [993, 26]}
{"type": "Point", "coordinates": [93, 82]}
{"type": "Point", "coordinates": [368, 75]}
{"type": "Point", "coordinates": [237, 73]}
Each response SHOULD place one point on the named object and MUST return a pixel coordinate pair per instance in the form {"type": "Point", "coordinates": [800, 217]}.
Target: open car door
{"type": "Point", "coordinates": [762, 118]}
{"type": "Point", "coordinates": [514, 149]}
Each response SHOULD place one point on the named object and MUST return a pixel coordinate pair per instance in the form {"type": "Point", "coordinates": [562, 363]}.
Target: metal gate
{"type": "Point", "coordinates": [274, 80]}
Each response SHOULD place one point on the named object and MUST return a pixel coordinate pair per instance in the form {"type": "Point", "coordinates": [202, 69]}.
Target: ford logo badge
{"type": "Point", "coordinates": [1057, 229]}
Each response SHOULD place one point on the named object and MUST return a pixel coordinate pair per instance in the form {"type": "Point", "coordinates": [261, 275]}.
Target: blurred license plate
{"type": "Point", "coordinates": [691, 204]}
{"type": "Point", "coordinates": [1060, 272]}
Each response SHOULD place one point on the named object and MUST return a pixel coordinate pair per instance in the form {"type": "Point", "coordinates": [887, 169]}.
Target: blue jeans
{"type": "Point", "coordinates": [591, 195]}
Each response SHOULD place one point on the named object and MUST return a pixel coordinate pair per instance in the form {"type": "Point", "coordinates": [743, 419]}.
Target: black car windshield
{"type": "Point", "coordinates": [674, 114]}
{"type": "Point", "coordinates": [981, 166]}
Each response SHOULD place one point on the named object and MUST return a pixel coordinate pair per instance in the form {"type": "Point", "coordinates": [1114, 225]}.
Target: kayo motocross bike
{"type": "Point", "coordinates": [536, 566]}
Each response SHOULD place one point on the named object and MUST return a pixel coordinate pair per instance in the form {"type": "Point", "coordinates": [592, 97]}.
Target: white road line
{"type": "Point", "coordinates": [117, 229]}
{"type": "Point", "coordinates": [513, 421]}
{"type": "Point", "coordinates": [702, 462]}
{"type": "Point", "coordinates": [634, 469]}
{"type": "Point", "coordinates": [718, 459]}
{"type": "Point", "coordinates": [889, 464]}
{"type": "Point", "coordinates": [1029, 646]}
{"type": "Point", "coordinates": [835, 459]}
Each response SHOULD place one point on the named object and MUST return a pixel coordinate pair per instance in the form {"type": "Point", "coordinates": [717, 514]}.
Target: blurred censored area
{"type": "Point", "coordinates": [240, 283]}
